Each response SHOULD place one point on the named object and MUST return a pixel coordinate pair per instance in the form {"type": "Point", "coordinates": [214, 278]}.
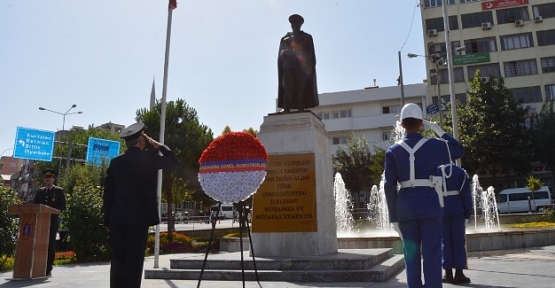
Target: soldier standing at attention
{"type": "Point", "coordinates": [53, 196]}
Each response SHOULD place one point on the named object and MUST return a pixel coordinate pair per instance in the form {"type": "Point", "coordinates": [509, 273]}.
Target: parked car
{"type": "Point", "coordinates": [181, 217]}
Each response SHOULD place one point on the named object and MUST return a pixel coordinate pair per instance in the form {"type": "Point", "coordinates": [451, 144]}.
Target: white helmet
{"type": "Point", "coordinates": [411, 110]}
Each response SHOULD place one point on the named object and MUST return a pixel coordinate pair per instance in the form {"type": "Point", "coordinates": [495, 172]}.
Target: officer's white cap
{"type": "Point", "coordinates": [411, 110]}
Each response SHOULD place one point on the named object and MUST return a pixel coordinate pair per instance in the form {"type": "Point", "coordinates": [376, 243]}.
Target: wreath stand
{"type": "Point", "coordinates": [243, 224]}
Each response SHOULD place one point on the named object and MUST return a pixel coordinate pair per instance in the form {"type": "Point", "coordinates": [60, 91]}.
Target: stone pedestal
{"type": "Point", "coordinates": [294, 209]}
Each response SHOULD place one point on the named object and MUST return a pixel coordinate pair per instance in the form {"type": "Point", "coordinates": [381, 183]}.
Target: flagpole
{"type": "Point", "coordinates": [162, 130]}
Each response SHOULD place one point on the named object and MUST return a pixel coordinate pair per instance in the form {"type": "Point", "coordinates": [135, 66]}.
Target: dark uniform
{"type": "Point", "coordinates": [54, 197]}
{"type": "Point", "coordinates": [131, 206]}
{"type": "Point", "coordinates": [297, 69]}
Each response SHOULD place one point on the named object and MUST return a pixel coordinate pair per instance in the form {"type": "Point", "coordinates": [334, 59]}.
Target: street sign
{"type": "Point", "coordinates": [99, 150]}
{"type": "Point", "coordinates": [432, 109]}
{"type": "Point", "coordinates": [33, 144]}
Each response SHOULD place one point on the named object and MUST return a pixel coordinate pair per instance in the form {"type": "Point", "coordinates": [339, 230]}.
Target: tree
{"type": "Point", "coordinates": [187, 138]}
{"type": "Point", "coordinates": [83, 217]}
{"type": "Point", "coordinates": [356, 164]}
{"type": "Point", "coordinates": [533, 184]}
{"type": "Point", "coordinates": [545, 135]}
{"type": "Point", "coordinates": [76, 143]}
{"type": "Point", "coordinates": [492, 129]}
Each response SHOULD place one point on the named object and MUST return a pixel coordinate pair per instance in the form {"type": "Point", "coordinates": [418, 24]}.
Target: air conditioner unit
{"type": "Point", "coordinates": [432, 32]}
{"type": "Point", "coordinates": [538, 19]}
{"type": "Point", "coordinates": [519, 23]}
{"type": "Point", "coordinates": [486, 25]}
{"type": "Point", "coordinates": [484, 79]}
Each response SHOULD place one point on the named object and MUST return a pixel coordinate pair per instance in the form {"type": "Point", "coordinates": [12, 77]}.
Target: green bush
{"type": "Point", "coordinates": [83, 218]}
{"type": "Point", "coordinates": [549, 214]}
{"type": "Point", "coordinates": [8, 228]}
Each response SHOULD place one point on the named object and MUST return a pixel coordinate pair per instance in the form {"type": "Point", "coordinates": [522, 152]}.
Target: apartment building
{"type": "Point", "coordinates": [513, 39]}
{"type": "Point", "coordinates": [370, 112]}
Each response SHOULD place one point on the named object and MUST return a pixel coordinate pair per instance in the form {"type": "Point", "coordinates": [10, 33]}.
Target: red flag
{"type": "Point", "coordinates": [173, 4]}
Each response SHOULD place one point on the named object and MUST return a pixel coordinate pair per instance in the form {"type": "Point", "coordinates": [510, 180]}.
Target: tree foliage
{"type": "Point", "coordinates": [545, 135]}
{"type": "Point", "coordinates": [8, 225]}
{"type": "Point", "coordinates": [492, 129]}
{"type": "Point", "coordinates": [358, 166]}
{"type": "Point", "coordinates": [83, 217]}
{"type": "Point", "coordinates": [77, 139]}
{"type": "Point", "coordinates": [187, 138]}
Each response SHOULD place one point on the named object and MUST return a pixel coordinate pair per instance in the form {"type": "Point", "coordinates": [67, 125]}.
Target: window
{"type": "Point", "coordinates": [436, 3]}
{"type": "Point", "coordinates": [548, 64]}
{"type": "Point", "coordinates": [480, 45]}
{"type": "Point", "coordinates": [549, 92]}
{"type": "Point", "coordinates": [476, 19]}
{"type": "Point", "coordinates": [393, 109]}
{"type": "Point", "coordinates": [386, 136]}
{"type": "Point", "coordinates": [469, 1]}
{"type": "Point", "coordinates": [513, 14]}
{"type": "Point", "coordinates": [335, 114]}
{"type": "Point", "coordinates": [546, 37]}
{"type": "Point", "coordinates": [339, 140]}
{"type": "Point", "coordinates": [458, 75]}
{"type": "Point", "coordinates": [437, 23]}
{"type": "Point", "coordinates": [520, 68]}
{"type": "Point", "coordinates": [527, 94]}
{"type": "Point", "coordinates": [517, 41]}
{"type": "Point", "coordinates": [544, 10]}
{"type": "Point", "coordinates": [486, 70]}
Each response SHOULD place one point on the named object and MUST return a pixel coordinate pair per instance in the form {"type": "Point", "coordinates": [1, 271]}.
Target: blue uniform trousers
{"type": "Point", "coordinates": [454, 253]}
{"type": "Point", "coordinates": [422, 237]}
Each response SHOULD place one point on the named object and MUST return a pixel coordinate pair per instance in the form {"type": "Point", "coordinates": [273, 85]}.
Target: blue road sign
{"type": "Point", "coordinates": [33, 144]}
{"type": "Point", "coordinates": [99, 150]}
{"type": "Point", "coordinates": [432, 109]}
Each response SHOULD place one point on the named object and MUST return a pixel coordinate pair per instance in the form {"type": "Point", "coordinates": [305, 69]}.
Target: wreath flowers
{"type": "Point", "coordinates": [232, 167]}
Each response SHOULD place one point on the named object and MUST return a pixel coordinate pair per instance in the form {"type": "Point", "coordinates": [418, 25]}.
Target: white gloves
{"type": "Point", "coordinates": [435, 127]}
{"type": "Point", "coordinates": [397, 229]}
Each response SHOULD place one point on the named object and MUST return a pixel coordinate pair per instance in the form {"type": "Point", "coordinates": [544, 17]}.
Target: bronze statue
{"type": "Point", "coordinates": [297, 69]}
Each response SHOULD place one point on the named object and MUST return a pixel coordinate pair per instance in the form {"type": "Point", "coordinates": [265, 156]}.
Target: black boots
{"type": "Point", "coordinates": [460, 278]}
{"type": "Point", "coordinates": [448, 277]}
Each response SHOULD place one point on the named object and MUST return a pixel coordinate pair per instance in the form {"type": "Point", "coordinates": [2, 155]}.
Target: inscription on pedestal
{"type": "Point", "coordinates": [286, 201]}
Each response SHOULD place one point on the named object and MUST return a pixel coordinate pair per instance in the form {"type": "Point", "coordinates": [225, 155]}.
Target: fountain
{"type": "Point", "coordinates": [485, 206]}
{"type": "Point", "coordinates": [343, 216]}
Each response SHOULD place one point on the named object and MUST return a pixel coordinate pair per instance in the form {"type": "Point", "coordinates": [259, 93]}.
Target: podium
{"type": "Point", "coordinates": [32, 240]}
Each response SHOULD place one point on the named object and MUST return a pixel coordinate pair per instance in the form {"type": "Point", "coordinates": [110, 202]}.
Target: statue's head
{"type": "Point", "coordinates": [296, 21]}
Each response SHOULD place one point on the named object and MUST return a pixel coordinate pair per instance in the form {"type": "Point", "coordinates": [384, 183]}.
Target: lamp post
{"type": "Point", "coordinates": [63, 126]}
{"type": "Point", "coordinates": [63, 114]}
{"type": "Point", "coordinates": [400, 80]}
{"type": "Point", "coordinates": [440, 60]}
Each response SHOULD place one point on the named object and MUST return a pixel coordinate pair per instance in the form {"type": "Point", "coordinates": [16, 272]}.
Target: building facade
{"type": "Point", "coordinates": [513, 39]}
{"type": "Point", "coordinates": [371, 113]}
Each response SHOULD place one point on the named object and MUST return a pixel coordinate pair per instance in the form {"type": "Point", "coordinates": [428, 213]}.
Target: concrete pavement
{"type": "Point", "coordinates": [530, 268]}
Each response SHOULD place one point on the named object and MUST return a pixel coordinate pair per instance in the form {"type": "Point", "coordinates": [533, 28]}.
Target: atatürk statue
{"type": "Point", "coordinates": [297, 69]}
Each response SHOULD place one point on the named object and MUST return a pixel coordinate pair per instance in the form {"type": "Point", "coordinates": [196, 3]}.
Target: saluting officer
{"type": "Point", "coordinates": [130, 203]}
{"type": "Point", "coordinates": [53, 196]}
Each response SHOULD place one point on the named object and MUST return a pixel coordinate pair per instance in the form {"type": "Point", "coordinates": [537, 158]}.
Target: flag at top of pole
{"type": "Point", "coordinates": [173, 4]}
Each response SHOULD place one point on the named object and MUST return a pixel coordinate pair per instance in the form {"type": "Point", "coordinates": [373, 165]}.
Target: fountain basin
{"type": "Point", "coordinates": [475, 240]}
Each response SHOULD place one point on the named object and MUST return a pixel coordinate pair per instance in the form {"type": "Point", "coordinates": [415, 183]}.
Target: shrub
{"type": "Point", "coordinates": [83, 217]}
{"type": "Point", "coordinates": [181, 244]}
{"type": "Point", "coordinates": [8, 228]}
{"type": "Point", "coordinates": [549, 214]}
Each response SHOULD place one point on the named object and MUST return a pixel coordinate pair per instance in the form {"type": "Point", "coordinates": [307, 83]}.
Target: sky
{"type": "Point", "coordinates": [103, 56]}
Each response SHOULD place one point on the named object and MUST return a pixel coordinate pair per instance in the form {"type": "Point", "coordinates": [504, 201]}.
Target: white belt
{"type": "Point", "coordinates": [451, 193]}
{"type": "Point", "coordinates": [417, 183]}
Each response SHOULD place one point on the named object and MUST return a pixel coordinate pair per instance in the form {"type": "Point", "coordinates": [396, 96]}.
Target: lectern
{"type": "Point", "coordinates": [32, 241]}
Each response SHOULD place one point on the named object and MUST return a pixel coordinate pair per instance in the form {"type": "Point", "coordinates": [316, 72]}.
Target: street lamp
{"type": "Point", "coordinates": [63, 114]}
{"type": "Point", "coordinates": [63, 126]}
{"type": "Point", "coordinates": [440, 60]}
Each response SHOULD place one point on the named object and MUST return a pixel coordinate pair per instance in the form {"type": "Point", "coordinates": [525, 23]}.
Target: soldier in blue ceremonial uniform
{"type": "Point", "coordinates": [130, 203]}
{"type": "Point", "coordinates": [456, 214]}
{"type": "Point", "coordinates": [53, 196]}
{"type": "Point", "coordinates": [415, 208]}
